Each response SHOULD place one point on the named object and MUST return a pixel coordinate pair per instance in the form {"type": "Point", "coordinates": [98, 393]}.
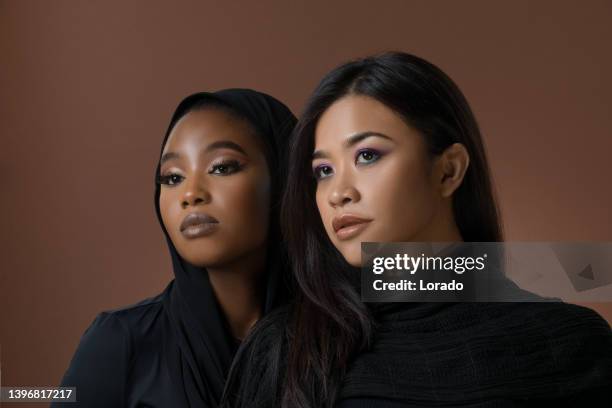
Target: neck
{"type": "Point", "coordinates": [238, 289]}
{"type": "Point", "coordinates": [443, 227]}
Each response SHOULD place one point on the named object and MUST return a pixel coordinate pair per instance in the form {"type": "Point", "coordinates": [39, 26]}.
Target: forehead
{"type": "Point", "coordinates": [199, 128]}
{"type": "Point", "coordinates": [354, 114]}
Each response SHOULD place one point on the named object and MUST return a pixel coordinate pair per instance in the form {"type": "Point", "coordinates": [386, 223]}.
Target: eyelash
{"type": "Point", "coordinates": [167, 179]}
{"type": "Point", "coordinates": [318, 169]}
{"type": "Point", "coordinates": [376, 156]}
{"type": "Point", "coordinates": [373, 152]}
{"type": "Point", "coordinates": [233, 166]}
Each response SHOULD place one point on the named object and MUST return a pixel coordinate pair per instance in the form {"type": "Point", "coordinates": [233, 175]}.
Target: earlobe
{"type": "Point", "coordinates": [455, 161]}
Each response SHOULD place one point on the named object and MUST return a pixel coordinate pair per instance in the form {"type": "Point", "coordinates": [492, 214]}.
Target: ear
{"type": "Point", "coordinates": [452, 165]}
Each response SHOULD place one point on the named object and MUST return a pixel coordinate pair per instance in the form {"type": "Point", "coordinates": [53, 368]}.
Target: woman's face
{"type": "Point", "coordinates": [375, 181]}
{"type": "Point", "coordinates": [215, 192]}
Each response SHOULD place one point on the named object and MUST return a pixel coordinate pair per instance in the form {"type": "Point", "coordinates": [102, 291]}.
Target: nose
{"type": "Point", "coordinates": [343, 190]}
{"type": "Point", "coordinates": [194, 193]}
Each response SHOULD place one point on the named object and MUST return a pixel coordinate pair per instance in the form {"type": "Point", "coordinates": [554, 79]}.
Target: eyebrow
{"type": "Point", "coordinates": [225, 144]}
{"type": "Point", "coordinates": [168, 156]}
{"type": "Point", "coordinates": [221, 144]}
{"type": "Point", "coordinates": [351, 141]}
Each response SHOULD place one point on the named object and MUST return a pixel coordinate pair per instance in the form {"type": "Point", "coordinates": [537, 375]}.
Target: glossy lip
{"type": "Point", "coordinates": [348, 226]}
{"type": "Point", "coordinates": [196, 225]}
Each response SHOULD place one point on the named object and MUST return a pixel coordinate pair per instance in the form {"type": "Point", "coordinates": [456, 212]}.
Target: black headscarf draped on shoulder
{"type": "Point", "coordinates": [195, 321]}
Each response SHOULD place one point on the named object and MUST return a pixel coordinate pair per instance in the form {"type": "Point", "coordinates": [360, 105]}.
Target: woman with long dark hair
{"type": "Point", "coordinates": [387, 149]}
{"type": "Point", "coordinates": [217, 196]}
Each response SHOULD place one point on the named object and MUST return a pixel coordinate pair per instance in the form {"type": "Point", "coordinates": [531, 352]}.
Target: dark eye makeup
{"type": "Point", "coordinates": [322, 171]}
{"type": "Point", "coordinates": [169, 179]}
{"type": "Point", "coordinates": [364, 156]}
{"type": "Point", "coordinates": [223, 167]}
{"type": "Point", "coordinates": [367, 156]}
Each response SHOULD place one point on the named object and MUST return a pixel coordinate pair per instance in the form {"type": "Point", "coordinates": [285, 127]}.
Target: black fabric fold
{"type": "Point", "coordinates": [472, 354]}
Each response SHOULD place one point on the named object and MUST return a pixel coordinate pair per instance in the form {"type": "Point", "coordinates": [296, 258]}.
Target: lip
{"type": "Point", "coordinates": [196, 225]}
{"type": "Point", "coordinates": [348, 226]}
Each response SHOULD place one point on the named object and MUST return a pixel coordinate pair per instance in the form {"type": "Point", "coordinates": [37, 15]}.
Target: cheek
{"type": "Point", "coordinates": [400, 197]}
{"type": "Point", "coordinates": [245, 204]}
{"type": "Point", "coordinates": [168, 209]}
{"type": "Point", "coordinates": [409, 200]}
{"type": "Point", "coordinates": [325, 210]}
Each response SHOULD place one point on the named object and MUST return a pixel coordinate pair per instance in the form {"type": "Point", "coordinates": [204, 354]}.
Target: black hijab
{"type": "Point", "coordinates": [194, 319]}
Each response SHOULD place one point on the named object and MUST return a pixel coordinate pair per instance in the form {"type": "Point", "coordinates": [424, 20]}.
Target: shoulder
{"type": "Point", "coordinates": [573, 332]}
{"type": "Point", "coordinates": [120, 327]}
{"type": "Point", "coordinates": [572, 341]}
{"type": "Point", "coordinates": [111, 330]}
{"type": "Point", "coordinates": [136, 319]}
{"type": "Point", "coordinates": [558, 317]}
{"type": "Point", "coordinates": [100, 364]}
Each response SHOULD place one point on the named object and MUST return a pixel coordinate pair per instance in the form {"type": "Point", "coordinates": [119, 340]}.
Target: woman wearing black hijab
{"type": "Point", "coordinates": [388, 150]}
{"type": "Point", "coordinates": [217, 200]}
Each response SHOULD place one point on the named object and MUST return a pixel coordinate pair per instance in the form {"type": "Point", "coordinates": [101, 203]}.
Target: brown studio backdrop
{"type": "Point", "coordinates": [88, 89]}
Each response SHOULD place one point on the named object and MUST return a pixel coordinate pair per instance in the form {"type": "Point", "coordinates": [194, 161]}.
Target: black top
{"type": "Point", "coordinates": [469, 355]}
{"type": "Point", "coordinates": [534, 352]}
{"type": "Point", "coordinates": [531, 352]}
{"type": "Point", "coordinates": [120, 360]}
{"type": "Point", "coordinates": [592, 399]}
{"type": "Point", "coordinates": [482, 355]}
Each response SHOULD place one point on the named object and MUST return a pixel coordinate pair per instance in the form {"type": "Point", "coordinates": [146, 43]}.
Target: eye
{"type": "Point", "coordinates": [225, 168]}
{"type": "Point", "coordinates": [322, 171]}
{"type": "Point", "coordinates": [367, 156]}
{"type": "Point", "coordinates": [170, 179]}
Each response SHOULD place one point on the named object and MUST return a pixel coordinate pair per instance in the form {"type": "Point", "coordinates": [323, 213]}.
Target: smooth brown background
{"type": "Point", "coordinates": [87, 89]}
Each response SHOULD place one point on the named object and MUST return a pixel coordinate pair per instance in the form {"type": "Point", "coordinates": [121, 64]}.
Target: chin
{"type": "Point", "coordinates": [355, 263]}
{"type": "Point", "coordinates": [353, 256]}
{"type": "Point", "coordinates": [204, 257]}
{"type": "Point", "coordinates": [209, 263]}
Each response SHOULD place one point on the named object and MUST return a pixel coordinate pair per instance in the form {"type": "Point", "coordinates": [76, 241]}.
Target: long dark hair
{"type": "Point", "coordinates": [296, 357]}
{"type": "Point", "coordinates": [329, 323]}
